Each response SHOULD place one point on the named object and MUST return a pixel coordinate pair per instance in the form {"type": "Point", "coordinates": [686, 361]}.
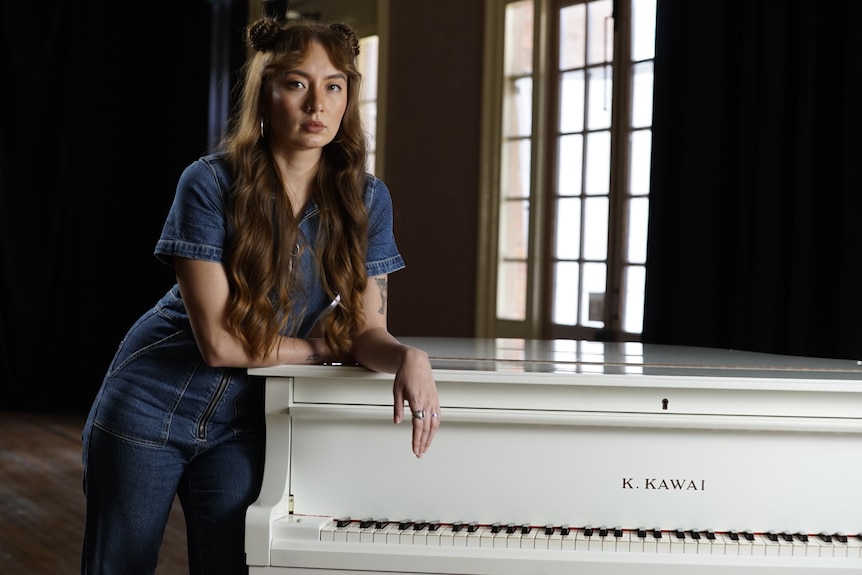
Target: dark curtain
{"type": "Point", "coordinates": [101, 109]}
{"type": "Point", "coordinates": [754, 235]}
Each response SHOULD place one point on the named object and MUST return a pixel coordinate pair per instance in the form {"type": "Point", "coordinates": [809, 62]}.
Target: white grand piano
{"type": "Point", "coordinates": [558, 457]}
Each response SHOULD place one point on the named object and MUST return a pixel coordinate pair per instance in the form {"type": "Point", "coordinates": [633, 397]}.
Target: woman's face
{"type": "Point", "coordinates": [307, 103]}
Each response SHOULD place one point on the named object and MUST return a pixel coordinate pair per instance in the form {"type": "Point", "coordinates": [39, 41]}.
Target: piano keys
{"type": "Point", "coordinates": [558, 456]}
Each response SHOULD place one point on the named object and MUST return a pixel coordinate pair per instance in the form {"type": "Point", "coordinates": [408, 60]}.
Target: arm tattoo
{"type": "Point", "coordinates": [382, 285]}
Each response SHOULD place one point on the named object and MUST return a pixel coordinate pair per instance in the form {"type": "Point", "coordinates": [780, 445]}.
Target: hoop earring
{"type": "Point", "coordinates": [263, 126]}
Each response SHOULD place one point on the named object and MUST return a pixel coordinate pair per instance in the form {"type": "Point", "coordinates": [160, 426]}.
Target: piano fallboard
{"type": "Point", "coordinates": [566, 433]}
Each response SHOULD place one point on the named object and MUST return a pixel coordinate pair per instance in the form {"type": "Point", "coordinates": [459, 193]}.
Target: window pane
{"type": "Point", "coordinates": [518, 108]}
{"type": "Point", "coordinates": [512, 290]}
{"type": "Point", "coordinates": [643, 29]}
{"type": "Point", "coordinates": [515, 171]}
{"type": "Point", "coordinates": [639, 168]}
{"type": "Point", "coordinates": [367, 62]}
{"type": "Point", "coordinates": [569, 172]}
{"type": "Point", "coordinates": [642, 86]}
{"type": "Point", "coordinates": [633, 308]}
{"type": "Point", "coordinates": [599, 84]}
{"type": "Point", "coordinates": [572, 36]}
{"type": "Point", "coordinates": [596, 228]}
{"type": "Point", "coordinates": [519, 38]}
{"type": "Point", "coordinates": [598, 164]}
{"type": "Point", "coordinates": [368, 111]}
{"type": "Point", "coordinates": [593, 284]}
{"type": "Point", "coordinates": [566, 293]}
{"type": "Point", "coordinates": [600, 35]}
{"type": "Point", "coordinates": [514, 227]}
{"type": "Point", "coordinates": [638, 214]}
{"type": "Point", "coordinates": [572, 101]}
{"type": "Point", "coordinates": [568, 244]}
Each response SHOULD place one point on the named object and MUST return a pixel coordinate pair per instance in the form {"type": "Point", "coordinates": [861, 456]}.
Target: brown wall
{"type": "Point", "coordinates": [432, 140]}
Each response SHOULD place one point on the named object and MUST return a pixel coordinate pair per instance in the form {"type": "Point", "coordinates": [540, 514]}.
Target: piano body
{"type": "Point", "coordinates": [557, 457]}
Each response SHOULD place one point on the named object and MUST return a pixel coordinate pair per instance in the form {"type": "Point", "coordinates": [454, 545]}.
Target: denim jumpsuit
{"type": "Point", "coordinates": [165, 423]}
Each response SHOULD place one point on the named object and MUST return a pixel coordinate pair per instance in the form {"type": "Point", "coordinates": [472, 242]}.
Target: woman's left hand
{"type": "Point", "coordinates": [414, 384]}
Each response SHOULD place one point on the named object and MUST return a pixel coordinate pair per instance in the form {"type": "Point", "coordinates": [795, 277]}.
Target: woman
{"type": "Point", "coordinates": [281, 246]}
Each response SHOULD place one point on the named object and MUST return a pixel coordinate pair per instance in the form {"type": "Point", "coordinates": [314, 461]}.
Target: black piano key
{"type": "Point", "coordinates": [618, 531]}
{"type": "Point", "coordinates": [472, 527]}
{"type": "Point", "coordinates": [749, 535]}
{"type": "Point", "coordinates": [549, 529]}
{"type": "Point", "coordinates": [495, 527]}
{"type": "Point", "coordinates": [419, 525]}
{"type": "Point", "coordinates": [603, 531]}
{"type": "Point", "coordinates": [433, 525]}
{"type": "Point", "coordinates": [381, 523]}
{"type": "Point", "coordinates": [840, 537]}
{"type": "Point", "coordinates": [642, 532]}
{"type": "Point", "coordinates": [342, 522]}
{"type": "Point", "coordinates": [588, 531]}
{"type": "Point", "coordinates": [457, 526]}
{"type": "Point", "coordinates": [680, 534]}
{"type": "Point", "coordinates": [366, 523]}
{"type": "Point", "coordinates": [656, 533]}
{"type": "Point", "coordinates": [511, 528]}
{"type": "Point", "coordinates": [405, 524]}
{"type": "Point", "coordinates": [565, 529]}
{"type": "Point", "coordinates": [772, 536]}
{"type": "Point", "coordinates": [802, 536]}
{"type": "Point", "coordinates": [787, 536]}
{"type": "Point", "coordinates": [733, 534]}
{"type": "Point", "coordinates": [525, 528]}
{"type": "Point", "coordinates": [825, 537]}
{"type": "Point", "coordinates": [859, 536]}
{"type": "Point", "coordinates": [695, 534]}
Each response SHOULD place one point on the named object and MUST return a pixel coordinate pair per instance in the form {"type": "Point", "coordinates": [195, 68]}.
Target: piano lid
{"type": "Point", "coordinates": [574, 356]}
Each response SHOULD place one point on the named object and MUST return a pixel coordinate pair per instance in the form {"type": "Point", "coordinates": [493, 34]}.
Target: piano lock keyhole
{"type": "Point", "coordinates": [664, 403]}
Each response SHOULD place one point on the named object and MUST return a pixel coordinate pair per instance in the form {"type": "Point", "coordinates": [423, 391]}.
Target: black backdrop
{"type": "Point", "coordinates": [753, 241]}
{"type": "Point", "coordinates": [756, 198]}
{"type": "Point", "coordinates": [101, 109]}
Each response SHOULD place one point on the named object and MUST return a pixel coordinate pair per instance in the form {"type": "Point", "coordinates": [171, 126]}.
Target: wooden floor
{"type": "Point", "coordinates": [42, 504]}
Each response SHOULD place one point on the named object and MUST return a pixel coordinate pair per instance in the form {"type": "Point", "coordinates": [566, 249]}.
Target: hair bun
{"type": "Point", "coordinates": [348, 35]}
{"type": "Point", "coordinates": [263, 34]}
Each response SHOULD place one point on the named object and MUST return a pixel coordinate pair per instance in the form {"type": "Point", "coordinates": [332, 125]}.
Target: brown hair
{"type": "Point", "coordinates": [264, 232]}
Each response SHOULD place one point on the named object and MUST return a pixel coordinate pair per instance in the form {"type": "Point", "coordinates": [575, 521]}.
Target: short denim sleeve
{"type": "Point", "coordinates": [383, 256]}
{"type": "Point", "coordinates": [196, 226]}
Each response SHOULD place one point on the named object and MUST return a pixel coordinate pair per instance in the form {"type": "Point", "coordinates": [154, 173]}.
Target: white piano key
{"type": "Point", "coordinates": [461, 538]}
{"type": "Point", "coordinates": [568, 542]}
{"type": "Point", "coordinates": [393, 534]}
{"type": "Point", "coordinates": [582, 541]}
{"type": "Point", "coordinates": [529, 540]}
{"type": "Point", "coordinates": [608, 543]}
{"type": "Point", "coordinates": [663, 544]}
{"type": "Point", "coordinates": [770, 547]}
{"type": "Point", "coordinates": [542, 538]}
{"type": "Point", "coordinates": [446, 537]}
{"type": "Point", "coordinates": [488, 536]}
{"type": "Point", "coordinates": [635, 541]}
{"type": "Point", "coordinates": [724, 545]}
{"type": "Point", "coordinates": [380, 534]}
{"type": "Point", "coordinates": [474, 538]}
{"type": "Point", "coordinates": [352, 532]}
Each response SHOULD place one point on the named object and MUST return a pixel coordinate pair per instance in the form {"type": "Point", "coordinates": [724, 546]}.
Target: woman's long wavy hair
{"type": "Point", "coordinates": [264, 233]}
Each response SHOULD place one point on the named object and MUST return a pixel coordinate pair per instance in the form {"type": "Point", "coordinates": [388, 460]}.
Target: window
{"type": "Point", "coordinates": [567, 145]}
{"type": "Point", "coordinates": [367, 62]}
